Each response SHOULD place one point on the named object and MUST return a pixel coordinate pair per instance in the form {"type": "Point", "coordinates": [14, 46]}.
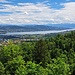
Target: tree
{"type": "Point", "coordinates": [55, 53]}
{"type": "Point", "coordinates": [35, 69]}
{"type": "Point", "coordinates": [58, 67]}
{"type": "Point", "coordinates": [41, 53]}
{"type": "Point", "coordinates": [16, 66]}
{"type": "Point", "coordinates": [27, 48]}
{"type": "Point", "coordinates": [9, 52]}
{"type": "Point", "coordinates": [2, 69]}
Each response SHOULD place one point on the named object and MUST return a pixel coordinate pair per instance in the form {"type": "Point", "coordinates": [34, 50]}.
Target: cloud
{"type": "Point", "coordinates": [39, 13]}
{"type": "Point", "coordinates": [4, 1]}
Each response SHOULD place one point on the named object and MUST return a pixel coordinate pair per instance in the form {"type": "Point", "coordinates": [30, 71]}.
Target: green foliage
{"type": "Point", "coordinates": [52, 56]}
{"type": "Point", "coordinates": [35, 69]}
{"type": "Point", "coordinates": [27, 49]}
{"type": "Point", "coordinates": [58, 67]}
{"type": "Point", "coordinates": [9, 52]}
{"type": "Point", "coordinates": [16, 66]}
{"type": "Point", "coordinates": [41, 52]}
{"type": "Point", "coordinates": [55, 53]}
{"type": "Point", "coordinates": [2, 69]}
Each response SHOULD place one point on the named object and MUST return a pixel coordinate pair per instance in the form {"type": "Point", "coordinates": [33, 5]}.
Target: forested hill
{"type": "Point", "coordinates": [27, 28]}
{"type": "Point", "coordinates": [53, 56]}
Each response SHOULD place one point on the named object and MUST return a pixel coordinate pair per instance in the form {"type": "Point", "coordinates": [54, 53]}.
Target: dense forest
{"type": "Point", "coordinates": [52, 56]}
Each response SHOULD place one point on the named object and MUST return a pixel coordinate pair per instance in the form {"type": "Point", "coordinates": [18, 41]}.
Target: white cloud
{"type": "Point", "coordinates": [40, 13]}
{"type": "Point", "coordinates": [4, 1]}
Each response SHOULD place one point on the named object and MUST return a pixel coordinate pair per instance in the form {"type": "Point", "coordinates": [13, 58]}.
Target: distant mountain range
{"type": "Point", "coordinates": [63, 25]}
{"type": "Point", "coordinates": [28, 28]}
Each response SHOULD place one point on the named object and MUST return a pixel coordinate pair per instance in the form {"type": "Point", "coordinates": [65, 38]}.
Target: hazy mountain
{"type": "Point", "coordinates": [63, 25]}
{"type": "Point", "coordinates": [26, 28]}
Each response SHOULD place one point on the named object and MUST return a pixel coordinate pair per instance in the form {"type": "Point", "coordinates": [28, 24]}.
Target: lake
{"type": "Point", "coordinates": [37, 32]}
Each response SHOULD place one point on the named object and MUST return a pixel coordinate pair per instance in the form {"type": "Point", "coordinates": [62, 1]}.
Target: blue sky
{"type": "Point", "coordinates": [38, 12]}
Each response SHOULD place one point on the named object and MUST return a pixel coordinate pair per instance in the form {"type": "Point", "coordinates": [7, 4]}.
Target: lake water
{"type": "Point", "coordinates": [38, 32]}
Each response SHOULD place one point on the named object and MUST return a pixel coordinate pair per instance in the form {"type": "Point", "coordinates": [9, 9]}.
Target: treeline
{"type": "Point", "coordinates": [53, 56]}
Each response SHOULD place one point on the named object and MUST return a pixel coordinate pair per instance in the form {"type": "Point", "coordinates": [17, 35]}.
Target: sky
{"type": "Point", "coordinates": [37, 12]}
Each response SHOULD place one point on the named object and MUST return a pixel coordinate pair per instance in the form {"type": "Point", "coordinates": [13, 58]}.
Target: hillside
{"type": "Point", "coordinates": [28, 28]}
